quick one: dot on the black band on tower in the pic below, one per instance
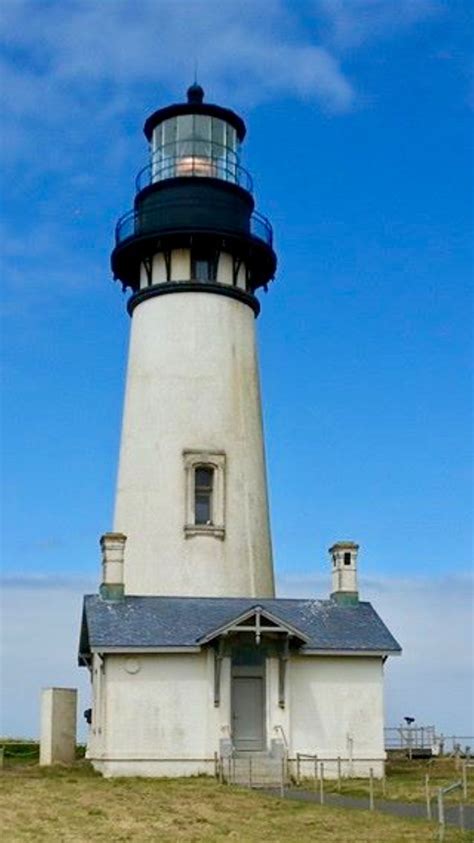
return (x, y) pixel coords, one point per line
(192, 287)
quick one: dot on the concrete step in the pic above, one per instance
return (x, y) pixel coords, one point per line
(254, 770)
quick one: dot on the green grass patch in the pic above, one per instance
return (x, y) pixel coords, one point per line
(74, 804)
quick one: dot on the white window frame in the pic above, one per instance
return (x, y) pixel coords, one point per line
(194, 458)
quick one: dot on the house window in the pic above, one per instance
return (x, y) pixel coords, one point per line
(204, 493)
(203, 486)
(347, 559)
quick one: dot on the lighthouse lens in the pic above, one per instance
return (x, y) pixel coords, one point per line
(195, 145)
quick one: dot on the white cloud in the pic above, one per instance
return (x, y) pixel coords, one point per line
(69, 71)
(431, 619)
(80, 66)
(351, 23)
(246, 50)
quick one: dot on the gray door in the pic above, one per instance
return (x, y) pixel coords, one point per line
(247, 712)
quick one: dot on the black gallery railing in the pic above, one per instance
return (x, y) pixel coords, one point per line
(136, 223)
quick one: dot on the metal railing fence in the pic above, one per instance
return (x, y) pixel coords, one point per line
(411, 738)
(136, 223)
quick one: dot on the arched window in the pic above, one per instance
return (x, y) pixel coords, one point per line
(203, 492)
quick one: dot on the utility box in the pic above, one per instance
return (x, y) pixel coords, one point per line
(58, 725)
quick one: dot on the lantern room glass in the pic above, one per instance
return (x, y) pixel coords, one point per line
(194, 145)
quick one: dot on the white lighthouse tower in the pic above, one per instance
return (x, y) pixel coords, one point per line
(192, 492)
(193, 660)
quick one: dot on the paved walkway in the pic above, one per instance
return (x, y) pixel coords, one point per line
(401, 809)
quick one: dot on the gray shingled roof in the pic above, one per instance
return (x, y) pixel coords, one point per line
(144, 622)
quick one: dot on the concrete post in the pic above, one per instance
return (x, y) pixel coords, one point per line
(58, 726)
(428, 797)
(441, 813)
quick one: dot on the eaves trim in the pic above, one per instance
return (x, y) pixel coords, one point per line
(141, 649)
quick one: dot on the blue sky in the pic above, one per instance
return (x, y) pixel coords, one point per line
(358, 115)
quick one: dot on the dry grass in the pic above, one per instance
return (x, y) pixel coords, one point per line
(405, 781)
(73, 804)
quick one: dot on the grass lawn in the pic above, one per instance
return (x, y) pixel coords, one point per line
(74, 804)
(405, 781)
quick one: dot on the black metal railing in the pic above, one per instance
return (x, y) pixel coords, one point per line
(260, 227)
(200, 159)
(136, 223)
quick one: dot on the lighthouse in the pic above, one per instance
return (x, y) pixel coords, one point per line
(192, 491)
(196, 666)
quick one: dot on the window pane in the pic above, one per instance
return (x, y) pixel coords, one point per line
(169, 131)
(185, 127)
(347, 559)
(203, 267)
(203, 478)
(231, 137)
(202, 508)
(201, 270)
(218, 135)
(202, 127)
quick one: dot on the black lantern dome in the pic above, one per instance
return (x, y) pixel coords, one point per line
(195, 93)
(194, 194)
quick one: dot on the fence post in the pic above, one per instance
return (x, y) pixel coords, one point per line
(250, 772)
(229, 770)
(371, 789)
(339, 773)
(2, 755)
(350, 746)
(457, 756)
(427, 794)
(384, 782)
(315, 771)
(441, 813)
(233, 769)
(464, 778)
(282, 778)
(321, 784)
(461, 816)
(298, 778)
